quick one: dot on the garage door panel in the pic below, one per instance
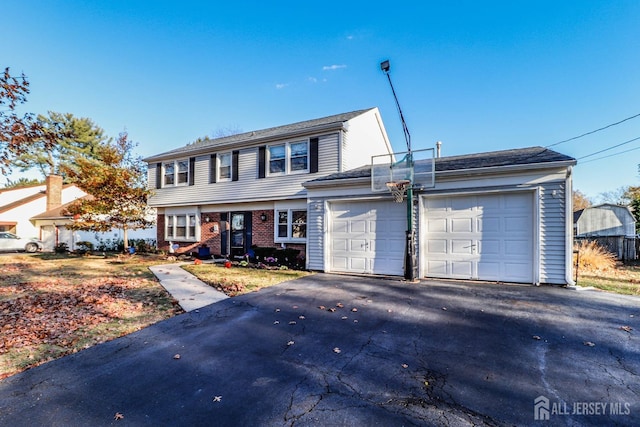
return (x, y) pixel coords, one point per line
(461, 247)
(482, 236)
(374, 238)
(461, 225)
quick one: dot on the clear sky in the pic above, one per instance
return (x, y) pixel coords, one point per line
(477, 75)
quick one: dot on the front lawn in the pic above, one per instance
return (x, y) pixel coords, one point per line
(622, 279)
(241, 280)
(52, 305)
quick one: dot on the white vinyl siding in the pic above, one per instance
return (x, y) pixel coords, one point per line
(553, 233)
(248, 187)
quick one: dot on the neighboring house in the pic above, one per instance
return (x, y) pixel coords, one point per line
(501, 216)
(608, 224)
(242, 190)
(38, 211)
(18, 205)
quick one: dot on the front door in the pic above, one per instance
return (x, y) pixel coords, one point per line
(238, 239)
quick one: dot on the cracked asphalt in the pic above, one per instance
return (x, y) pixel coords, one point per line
(355, 351)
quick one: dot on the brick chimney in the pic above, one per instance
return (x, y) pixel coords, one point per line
(54, 191)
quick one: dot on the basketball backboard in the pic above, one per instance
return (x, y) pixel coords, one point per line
(418, 166)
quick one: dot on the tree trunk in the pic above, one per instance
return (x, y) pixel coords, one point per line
(125, 237)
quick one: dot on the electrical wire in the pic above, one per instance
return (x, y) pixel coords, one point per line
(610, 155)
(593, 131)
(609, 148)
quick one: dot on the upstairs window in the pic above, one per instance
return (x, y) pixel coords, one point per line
(292, 157)
(224, 167)
(176, 173)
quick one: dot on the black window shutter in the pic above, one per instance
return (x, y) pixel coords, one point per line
(234, 165)
(262, 158)
(158, 175)
(192, 170)
(224, 234)
(248, 230)
(313, 155)
(213, 169)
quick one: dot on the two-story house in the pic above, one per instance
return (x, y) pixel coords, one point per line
(241, 190)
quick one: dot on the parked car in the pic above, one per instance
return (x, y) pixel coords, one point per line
(11, 242)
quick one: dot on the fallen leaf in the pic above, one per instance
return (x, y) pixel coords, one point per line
(626, 328)
(176, 356)
(118, 416)
(536, 337)
(293, 322)
(444, 308)
(301, 317)
(294, 307)
(336, 350)
(354, 309)
(332, 310)
(322, 307)
(426, 383)
(339, 305)
(355, 321)
(344, 317)
(217, 398)
(277, 310)
(389, 311)
(291, 343)
(404, 365)
(276, 322)
(589, 343)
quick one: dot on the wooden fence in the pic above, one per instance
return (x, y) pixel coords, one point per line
(624, 248)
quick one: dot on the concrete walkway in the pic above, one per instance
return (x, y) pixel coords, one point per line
(190, 292)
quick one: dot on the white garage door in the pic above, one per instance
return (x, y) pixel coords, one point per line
(367, 237)
(480, 237)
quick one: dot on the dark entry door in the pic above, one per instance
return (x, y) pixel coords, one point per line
(240, 233)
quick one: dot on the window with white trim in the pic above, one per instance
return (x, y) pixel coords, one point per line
(290, 157)
(180, 227)
(291, 225)
(176, 172)
(224, 167)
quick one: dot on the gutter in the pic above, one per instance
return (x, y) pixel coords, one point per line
(568, 194)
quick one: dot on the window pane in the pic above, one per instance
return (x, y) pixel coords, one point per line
(276, 152)
(181, 226)
(183, 171)
(192, 226)
(299, 156)
(224, 166)
(299, 224)
(283, 224)
(169, 229)
(169, 171)
(276, 166)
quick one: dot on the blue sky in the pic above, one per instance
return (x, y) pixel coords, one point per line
(479, 76)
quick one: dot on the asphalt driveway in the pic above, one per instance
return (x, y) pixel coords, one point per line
(340, 350)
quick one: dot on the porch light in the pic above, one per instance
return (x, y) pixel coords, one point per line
(263, 217)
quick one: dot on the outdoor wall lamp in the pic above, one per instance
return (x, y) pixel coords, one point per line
(207, 219)
(263, 217)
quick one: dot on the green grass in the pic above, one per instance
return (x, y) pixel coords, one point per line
(621, 280)
(241, 280)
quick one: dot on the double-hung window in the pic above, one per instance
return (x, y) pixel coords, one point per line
(224, 167)
(290, 157)
(176, 172)
(292, 225)
(180, 227)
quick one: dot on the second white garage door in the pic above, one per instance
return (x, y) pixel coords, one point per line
(480, 237)
(367, 237)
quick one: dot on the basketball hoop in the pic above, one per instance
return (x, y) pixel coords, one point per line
(398, 188)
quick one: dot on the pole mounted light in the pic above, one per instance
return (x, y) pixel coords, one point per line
(410, 261)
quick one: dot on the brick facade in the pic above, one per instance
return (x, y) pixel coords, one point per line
(211, 229)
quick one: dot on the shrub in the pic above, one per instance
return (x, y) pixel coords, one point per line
(593, 257)
(61, 248)
(84, 247)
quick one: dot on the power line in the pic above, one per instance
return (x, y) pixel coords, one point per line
(611, 155)
(609, 148)
(593, 131)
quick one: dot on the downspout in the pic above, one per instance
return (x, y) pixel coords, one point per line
(568, 194)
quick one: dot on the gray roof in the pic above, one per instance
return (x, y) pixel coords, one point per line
(518, 156)
(257, 136)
